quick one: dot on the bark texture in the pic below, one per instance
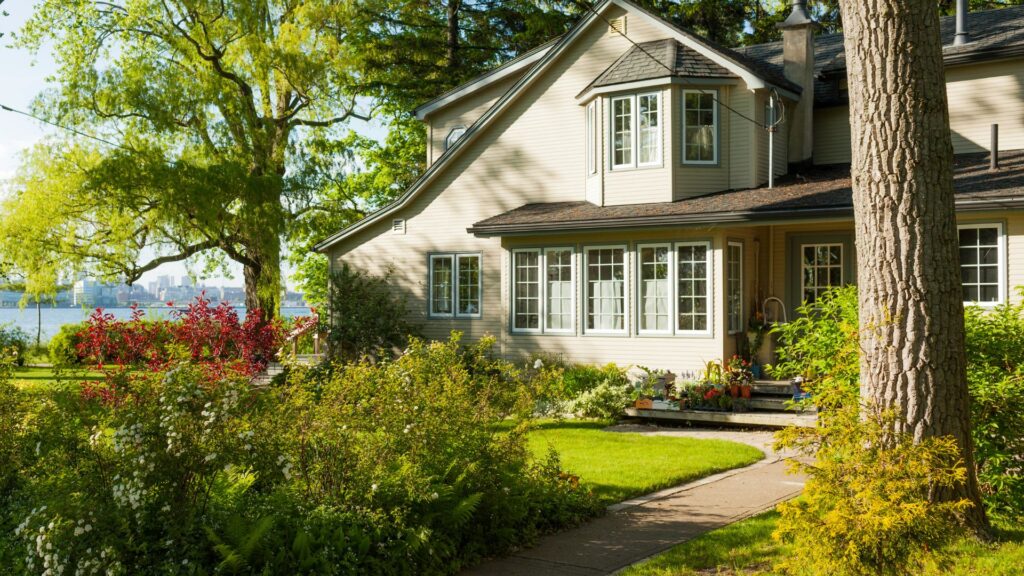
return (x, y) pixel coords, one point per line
(911, 300)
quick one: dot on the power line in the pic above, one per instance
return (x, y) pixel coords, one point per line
(618, 30)
(62, 127)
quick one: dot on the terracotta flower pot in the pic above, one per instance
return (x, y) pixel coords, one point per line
(745, 392)
(734, 390)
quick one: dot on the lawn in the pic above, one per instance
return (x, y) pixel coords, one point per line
(37, 379)
(621, 465)
(747, 548)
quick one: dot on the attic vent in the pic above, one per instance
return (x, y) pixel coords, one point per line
(617, 25)
(398, 226)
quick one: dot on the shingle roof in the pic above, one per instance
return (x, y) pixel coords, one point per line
(819, 192)
(658, 59)
(991, 32)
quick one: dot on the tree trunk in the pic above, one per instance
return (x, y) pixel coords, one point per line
(911, 300)
(452, 36)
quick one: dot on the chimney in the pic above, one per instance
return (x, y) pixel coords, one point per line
(961, 36)
(798, 67)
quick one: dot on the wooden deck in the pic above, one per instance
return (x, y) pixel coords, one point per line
(760, 419)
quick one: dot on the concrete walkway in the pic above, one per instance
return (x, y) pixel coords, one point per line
(638, 529)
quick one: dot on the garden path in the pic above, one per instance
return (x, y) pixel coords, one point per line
(643, 527)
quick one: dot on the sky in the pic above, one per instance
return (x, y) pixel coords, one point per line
(25, 76)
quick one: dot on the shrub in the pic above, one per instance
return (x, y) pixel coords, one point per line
(822, 345)
(395, 467)
(15, 341)
(869, 505)
(63, 346)
(607, 400)
(366, 318)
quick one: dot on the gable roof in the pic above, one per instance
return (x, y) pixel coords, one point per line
(993, 34)
(821, 191)
(736, 63)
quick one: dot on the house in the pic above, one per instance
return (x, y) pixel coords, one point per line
(607, 196)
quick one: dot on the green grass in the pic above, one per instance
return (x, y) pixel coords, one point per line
(747, 548)
(620, 465)
(35, 379)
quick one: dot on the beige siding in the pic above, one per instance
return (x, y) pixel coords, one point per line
(742, 141)
(464, 113)
(761, 140)
(979, 95)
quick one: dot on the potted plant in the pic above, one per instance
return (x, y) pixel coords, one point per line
(757, 327)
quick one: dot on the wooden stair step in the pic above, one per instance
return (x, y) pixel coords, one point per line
(761, 419)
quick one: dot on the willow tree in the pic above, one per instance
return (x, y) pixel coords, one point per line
(202, 105)
(908, 277)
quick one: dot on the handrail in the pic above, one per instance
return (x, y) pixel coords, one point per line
(299, 331)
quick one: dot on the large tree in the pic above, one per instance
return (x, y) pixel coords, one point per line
(203, 104)
(911, 300)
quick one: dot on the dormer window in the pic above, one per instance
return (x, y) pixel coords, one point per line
(700, 127)
(454, 136)
(635, 131)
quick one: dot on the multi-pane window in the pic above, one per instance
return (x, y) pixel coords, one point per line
(456, 285)
(559, 300)
(606, 289)
(543, 288)
(649, 141)
(700, 127)
(636, 130)
(655, 289)
(981, 262)
(821, 269)
(693, 294)
(526, 290)
(622, 132)
(592, 138)
(734, 286)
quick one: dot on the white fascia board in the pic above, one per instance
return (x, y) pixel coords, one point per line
(481, 82)
(471, 136)
(589, 95)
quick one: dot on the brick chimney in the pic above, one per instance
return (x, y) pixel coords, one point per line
(798, 67)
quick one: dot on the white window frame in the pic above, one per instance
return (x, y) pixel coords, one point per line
(479, 285)
(542, 264)
(708, 286)
(634, 136)
(730, 313)
(815, 266)
(454, 258)
(714, 110)
(592, 138)
(671, 280)
(1001, 253)
(453, 136)
(585, 286)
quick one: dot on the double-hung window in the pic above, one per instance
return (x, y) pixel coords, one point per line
(982, 262)
(674, 288)
(456, 285)
(605, 268)
(821, 269)
(700, 126)
(636, 130)
(543, 290)
(734, 286)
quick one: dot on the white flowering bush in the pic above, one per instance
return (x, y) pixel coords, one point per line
(396, 467)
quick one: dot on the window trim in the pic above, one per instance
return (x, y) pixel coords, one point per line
(708, 292)
(634, 137)
(672, 280)
(449, 142)
(717, 125)
(728, 279)
(592, 154)
(1002, 254)
(540, 291)
(453, 297)
(585, 286)
(841, 266)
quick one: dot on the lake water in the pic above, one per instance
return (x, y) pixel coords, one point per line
(54, 318)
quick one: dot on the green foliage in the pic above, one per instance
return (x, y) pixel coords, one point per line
(607, 400)
(387, 468)
(63, 346)
(995, 375)
(821, 344)
(366, 318)
(871, 504)
(14, 340)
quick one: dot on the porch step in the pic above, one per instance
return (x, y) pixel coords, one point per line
(775, 404)
(762, 419)
(773, 387)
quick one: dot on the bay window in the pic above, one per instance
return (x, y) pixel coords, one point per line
(982, 262)
(456, 286)
(636, 130)
(700, 127)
